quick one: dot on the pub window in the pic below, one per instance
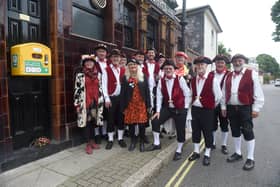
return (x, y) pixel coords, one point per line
(14, 31)
(129, 24)
(152, 34)
(33, 34)
(14, 5)
(212, 39)
(33, 8)
(87, 21)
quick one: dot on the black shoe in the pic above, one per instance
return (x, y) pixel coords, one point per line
(146, 140)
(163, 131)
(224, 150)
(98, 139)
(142, 146)
(126, 133)
(234, 157)
(109, 145)
(122, 143)
(132, 146)
(249, 165)
(105, 137)
(153, 147)
(194, 156)
(177, 156)
(206, 160)
(213, 146)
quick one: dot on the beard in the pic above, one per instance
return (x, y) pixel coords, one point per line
(238, 68)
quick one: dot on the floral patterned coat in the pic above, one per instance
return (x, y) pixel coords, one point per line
(93, 113)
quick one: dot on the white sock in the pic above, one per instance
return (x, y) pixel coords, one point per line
(250, 149)
(156, 138)
(207, 152)
(111, 136)
(104, 128)
(237, 144)
(214, 137)
(196, 147)
(136, 130)
(120, 134)
(179, 147)
(224, 137)
(96, 130)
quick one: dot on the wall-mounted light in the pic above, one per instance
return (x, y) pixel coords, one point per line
(99, 3)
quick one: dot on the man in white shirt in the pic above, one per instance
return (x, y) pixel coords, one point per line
(101, 52)
(242, 100)
(219, 120)
(173, 99)
(206, 94)
(111, 90)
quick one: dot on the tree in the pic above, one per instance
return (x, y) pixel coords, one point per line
(223, 50)
(275, 16)
(268, 64)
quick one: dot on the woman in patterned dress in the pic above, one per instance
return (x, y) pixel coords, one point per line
(88, 100)
(135, 102)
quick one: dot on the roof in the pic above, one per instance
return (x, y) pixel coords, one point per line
(205, 9)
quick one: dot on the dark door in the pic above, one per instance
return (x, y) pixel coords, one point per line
(28, 96)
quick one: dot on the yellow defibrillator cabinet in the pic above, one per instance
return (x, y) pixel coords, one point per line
(31, 59)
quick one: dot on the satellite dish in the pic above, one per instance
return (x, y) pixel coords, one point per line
(99, 3)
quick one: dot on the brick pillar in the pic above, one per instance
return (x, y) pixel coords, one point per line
(172, 38)
(162, 45)
(5, 130)
(143, 12)
(58, 78)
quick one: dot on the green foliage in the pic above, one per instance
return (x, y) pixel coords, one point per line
(268, 64)
(266, 79)
(275, 16)
(222, 50)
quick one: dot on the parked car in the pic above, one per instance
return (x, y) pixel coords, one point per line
(277, 82)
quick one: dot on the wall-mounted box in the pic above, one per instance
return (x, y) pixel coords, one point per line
(31, 59)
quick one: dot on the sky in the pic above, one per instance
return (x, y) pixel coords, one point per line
(246, 24)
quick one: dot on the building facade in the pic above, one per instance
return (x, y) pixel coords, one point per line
(30, 106)
(202, 30)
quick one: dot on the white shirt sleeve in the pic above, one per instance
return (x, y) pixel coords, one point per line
(105, 87)
(186, 91)
(217, 91)
(223, 99)
(258, 93)
(159, 97)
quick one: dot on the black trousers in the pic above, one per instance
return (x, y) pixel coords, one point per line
(142, 130)
(218, 118)
(202, 121)
(240, 117)
(179, 116)
(88, 131)
(114, 115)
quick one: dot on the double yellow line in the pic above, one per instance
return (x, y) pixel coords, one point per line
(180, 174)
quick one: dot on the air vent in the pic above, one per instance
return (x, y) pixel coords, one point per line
(99, 3)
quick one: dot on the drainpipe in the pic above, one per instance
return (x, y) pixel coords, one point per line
(183, 24)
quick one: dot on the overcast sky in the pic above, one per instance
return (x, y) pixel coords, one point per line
(246, 24)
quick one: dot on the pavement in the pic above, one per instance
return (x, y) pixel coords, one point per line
(74, 168)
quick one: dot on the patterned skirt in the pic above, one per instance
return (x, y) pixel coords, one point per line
(136, 111)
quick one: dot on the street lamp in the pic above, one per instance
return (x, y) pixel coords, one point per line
(183, 24)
